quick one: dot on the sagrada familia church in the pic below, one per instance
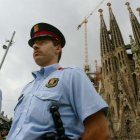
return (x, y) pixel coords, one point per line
(121, 76)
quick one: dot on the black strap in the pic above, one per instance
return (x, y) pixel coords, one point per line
(58, 122)
(49, 136)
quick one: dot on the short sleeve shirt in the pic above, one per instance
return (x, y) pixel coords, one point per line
(70, 89)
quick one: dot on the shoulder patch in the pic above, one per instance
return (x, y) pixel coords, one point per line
(52, 82)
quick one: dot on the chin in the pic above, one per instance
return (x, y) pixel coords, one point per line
(40, 64)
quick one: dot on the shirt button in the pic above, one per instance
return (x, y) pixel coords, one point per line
(18, 129)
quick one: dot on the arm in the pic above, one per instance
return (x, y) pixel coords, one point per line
(96, 127)
(87, 105)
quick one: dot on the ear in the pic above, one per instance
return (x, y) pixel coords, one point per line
(58, 49)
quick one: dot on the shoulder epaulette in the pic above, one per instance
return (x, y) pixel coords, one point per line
(60, 68)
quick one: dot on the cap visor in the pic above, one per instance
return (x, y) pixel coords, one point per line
(31, 41)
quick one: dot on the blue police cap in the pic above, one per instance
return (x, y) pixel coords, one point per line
(46, 30)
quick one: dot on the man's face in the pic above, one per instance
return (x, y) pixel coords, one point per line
(45, 53)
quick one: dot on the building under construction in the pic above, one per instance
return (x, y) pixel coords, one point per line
(121, 76)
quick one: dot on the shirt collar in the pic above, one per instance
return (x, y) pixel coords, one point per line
(45, 71)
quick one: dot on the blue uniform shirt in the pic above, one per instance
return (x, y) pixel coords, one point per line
(73, 92)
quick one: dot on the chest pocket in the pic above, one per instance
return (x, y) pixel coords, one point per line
(48, 95)
(51, 89)
(40, 105)
(21, 97)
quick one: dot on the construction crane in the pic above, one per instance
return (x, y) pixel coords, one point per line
(85, 21)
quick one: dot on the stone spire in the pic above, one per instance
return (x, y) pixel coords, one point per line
(104, 36)
(108, 69)
(135, 24)
(116, 35)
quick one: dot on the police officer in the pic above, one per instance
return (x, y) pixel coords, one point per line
(79, 109)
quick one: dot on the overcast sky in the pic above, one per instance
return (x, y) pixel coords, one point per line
(21, 15)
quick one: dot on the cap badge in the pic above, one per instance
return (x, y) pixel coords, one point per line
(52, 82)
(36, 28)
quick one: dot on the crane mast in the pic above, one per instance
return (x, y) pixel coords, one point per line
(85, 21)
(95, 77)
(86, 67)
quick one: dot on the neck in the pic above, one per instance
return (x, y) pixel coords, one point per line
(49, 64)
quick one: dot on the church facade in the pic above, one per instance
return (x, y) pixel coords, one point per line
(121, 76)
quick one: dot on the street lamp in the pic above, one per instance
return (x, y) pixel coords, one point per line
(7, 48)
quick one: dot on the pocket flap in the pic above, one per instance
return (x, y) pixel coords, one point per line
(47, 95)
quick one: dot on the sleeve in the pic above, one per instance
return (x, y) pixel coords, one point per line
(84, 98)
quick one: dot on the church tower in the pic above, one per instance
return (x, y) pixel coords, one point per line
(135, 24)
(118, 84)
(135, 48)
(108, 71)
